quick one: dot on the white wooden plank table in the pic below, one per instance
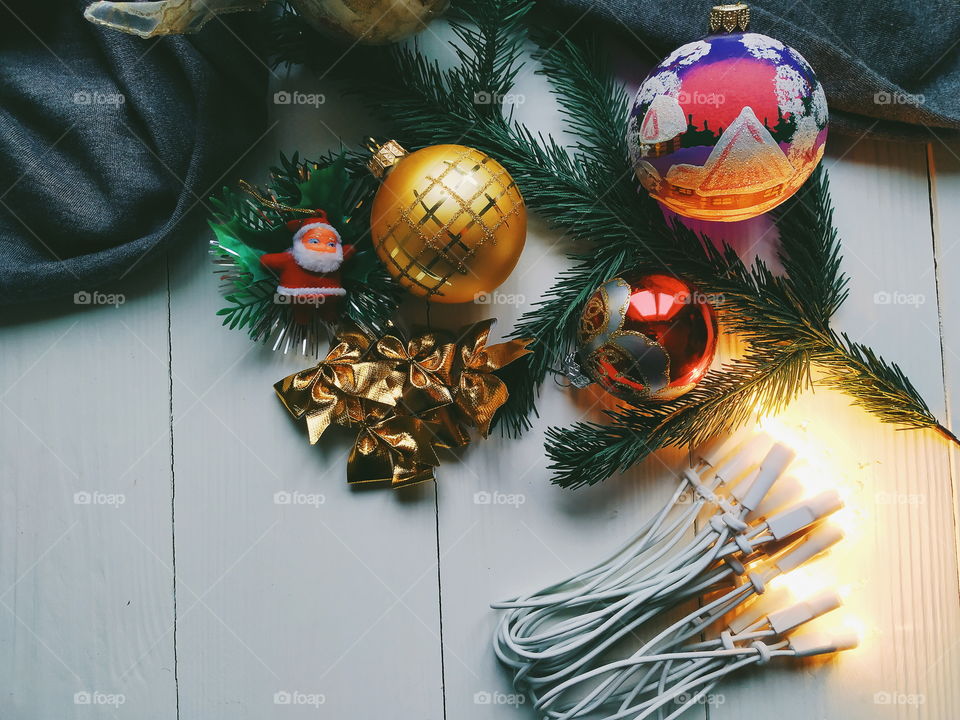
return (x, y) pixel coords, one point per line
(171, 547)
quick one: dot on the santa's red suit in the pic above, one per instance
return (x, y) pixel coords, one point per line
(309, 272)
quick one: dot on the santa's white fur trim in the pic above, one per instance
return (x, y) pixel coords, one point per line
(315, 260)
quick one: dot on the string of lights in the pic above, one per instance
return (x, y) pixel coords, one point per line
(731, 527)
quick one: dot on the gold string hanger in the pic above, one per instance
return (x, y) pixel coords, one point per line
(273, 204)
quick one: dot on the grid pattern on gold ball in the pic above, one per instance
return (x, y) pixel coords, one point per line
(450, 219)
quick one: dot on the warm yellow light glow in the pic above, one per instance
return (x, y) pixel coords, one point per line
(845, 621)
(823, 465)
(806, 580)
(854, 624)
(816, 473)
(814, 479)
(812, 466)
(847, 519)
(795, 437)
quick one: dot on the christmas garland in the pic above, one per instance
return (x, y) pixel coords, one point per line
(589, 191)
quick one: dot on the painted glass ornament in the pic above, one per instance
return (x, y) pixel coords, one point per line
(648, 337)
(727, 127)
(448, 221)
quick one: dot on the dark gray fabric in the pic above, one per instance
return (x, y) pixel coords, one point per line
(91, 188)
(889, 68)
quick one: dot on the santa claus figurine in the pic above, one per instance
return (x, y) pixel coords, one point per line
(309, 272)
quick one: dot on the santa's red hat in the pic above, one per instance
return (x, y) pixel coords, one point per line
(318, 217)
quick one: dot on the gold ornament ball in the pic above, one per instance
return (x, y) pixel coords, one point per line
(371, 22)
(448, 221)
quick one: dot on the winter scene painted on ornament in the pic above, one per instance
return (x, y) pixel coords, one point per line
(728, 127)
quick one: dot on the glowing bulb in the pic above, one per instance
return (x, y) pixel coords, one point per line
(820, 466)
(813, 478)
(855, 624)
(816, 474)
(807, 580)
(848, 520)
(812, 466)
(848, 623)
(794, 437)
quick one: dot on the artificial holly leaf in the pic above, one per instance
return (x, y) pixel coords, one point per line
(246, 258)
(325, 189)
(248, 223)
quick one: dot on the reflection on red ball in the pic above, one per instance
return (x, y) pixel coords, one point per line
(648, 337)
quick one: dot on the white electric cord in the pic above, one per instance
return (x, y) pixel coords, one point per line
(715, 536)
(695, 623)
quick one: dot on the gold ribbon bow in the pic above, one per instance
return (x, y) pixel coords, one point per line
(479, 393)
(406, 398)
(392, 448)
(428, 365)
(331, 392)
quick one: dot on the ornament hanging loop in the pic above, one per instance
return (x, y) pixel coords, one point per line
(727, 18)
(270, 203)
(384, 156)
(571, 373)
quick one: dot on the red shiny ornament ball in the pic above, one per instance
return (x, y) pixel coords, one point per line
(646, 337)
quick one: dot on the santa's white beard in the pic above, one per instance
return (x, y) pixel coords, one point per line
(315, 260)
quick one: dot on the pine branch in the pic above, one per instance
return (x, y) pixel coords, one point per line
(490, 35)
(372, 299)
(879, 387)
(810, 250)
(588, 453)
(247, 305)
(595, 106)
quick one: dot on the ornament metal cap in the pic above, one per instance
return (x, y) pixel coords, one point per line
(728, 18)
(384, 156)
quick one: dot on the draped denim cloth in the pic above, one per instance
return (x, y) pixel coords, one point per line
(107, 142)
(890, 70)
